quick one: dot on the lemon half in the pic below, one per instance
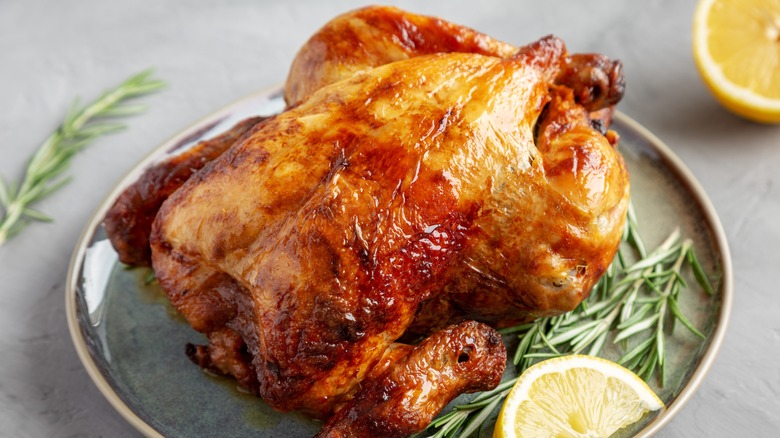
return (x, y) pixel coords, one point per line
(575, 396)
(736, 45)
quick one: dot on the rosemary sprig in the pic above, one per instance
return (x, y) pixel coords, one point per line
(638, 301)
(82, 125)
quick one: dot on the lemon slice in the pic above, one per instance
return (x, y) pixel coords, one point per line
(736, 45)
(574, 396)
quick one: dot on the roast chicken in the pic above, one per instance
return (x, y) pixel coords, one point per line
(426, 182)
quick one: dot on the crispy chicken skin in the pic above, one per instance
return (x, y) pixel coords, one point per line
(129, 221)
(377, 35)
(349, 216)
(377, 194)
(467, 357)
(356, 41)
(424, 177)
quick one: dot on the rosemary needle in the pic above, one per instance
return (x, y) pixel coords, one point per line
(82, 125)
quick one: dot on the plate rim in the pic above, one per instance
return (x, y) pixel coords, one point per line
(675, 164)
(670, 159)
(79, 253)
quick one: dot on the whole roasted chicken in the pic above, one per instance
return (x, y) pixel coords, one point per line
(425, 181)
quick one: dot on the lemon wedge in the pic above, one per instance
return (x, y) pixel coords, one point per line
(736, 45)
(574, 396)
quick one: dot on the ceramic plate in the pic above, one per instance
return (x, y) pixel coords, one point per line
(131, 341)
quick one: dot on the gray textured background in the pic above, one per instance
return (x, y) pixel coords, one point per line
(213, 53)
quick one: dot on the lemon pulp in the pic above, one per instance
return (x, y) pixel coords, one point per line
(575, 396)
(737, 50)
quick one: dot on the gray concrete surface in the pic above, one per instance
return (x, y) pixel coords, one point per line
(213, 53)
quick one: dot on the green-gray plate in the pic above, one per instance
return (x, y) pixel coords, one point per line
(132, 342)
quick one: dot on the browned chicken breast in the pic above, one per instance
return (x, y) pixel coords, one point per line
(433, 178)
(374, 36)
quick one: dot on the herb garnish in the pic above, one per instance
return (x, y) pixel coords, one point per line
(638, 300)
(81, 127)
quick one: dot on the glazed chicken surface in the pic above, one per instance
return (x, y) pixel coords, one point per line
(426, 180)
